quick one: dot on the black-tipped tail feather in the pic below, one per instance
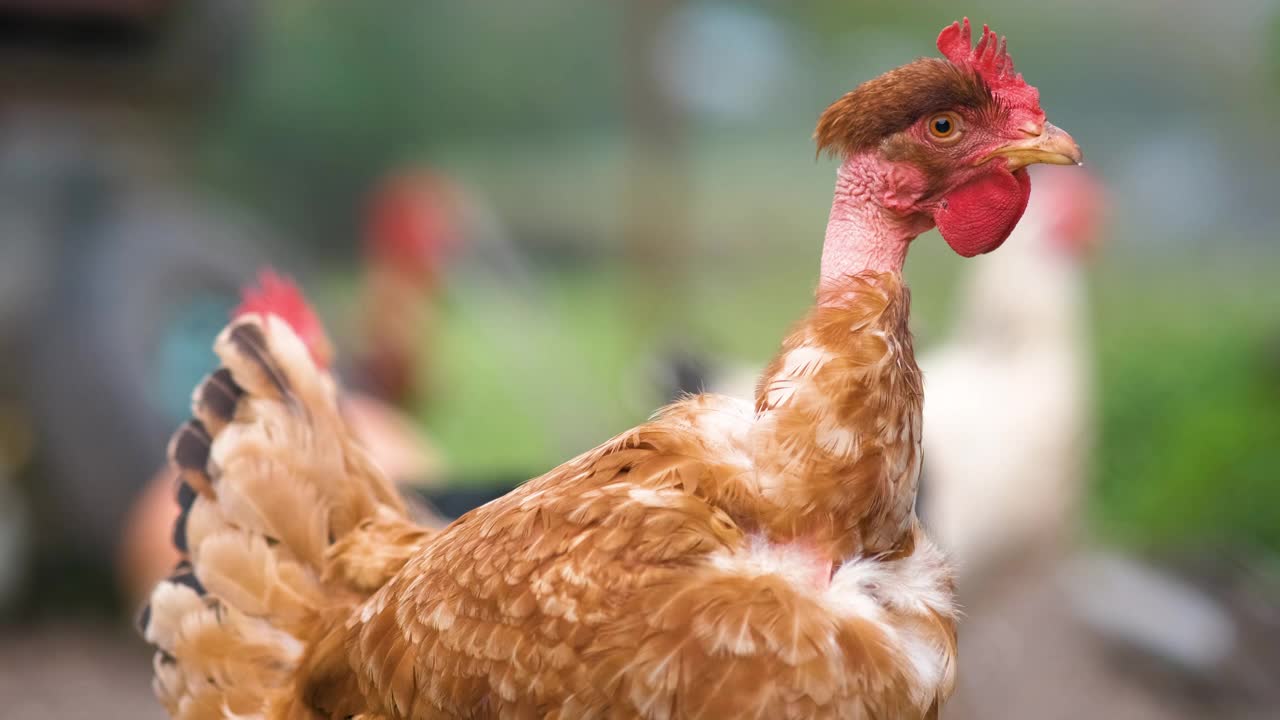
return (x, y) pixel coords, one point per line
(182, 574)
(186, 498)
(189, 452)
(261, 523)
(215, 399)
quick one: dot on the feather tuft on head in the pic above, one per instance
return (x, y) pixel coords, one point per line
(278, 295)
(991, 61)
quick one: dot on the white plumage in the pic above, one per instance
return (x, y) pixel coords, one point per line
(1007, 413)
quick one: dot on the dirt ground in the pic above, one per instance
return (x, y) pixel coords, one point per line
(1026, 652)
(71, 671)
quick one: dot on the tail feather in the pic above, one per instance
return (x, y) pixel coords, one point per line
(169, 682)
(243, 570)
(189, 452)
(291, 405)
(170, 602)
(254, 488)
(285, 520)
(183, 698)
(254, 366)
(214, 662)
(214, 400)
(186, 500)
(203, 519)
(216, 642)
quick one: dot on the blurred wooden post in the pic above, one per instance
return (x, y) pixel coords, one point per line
(655, 212)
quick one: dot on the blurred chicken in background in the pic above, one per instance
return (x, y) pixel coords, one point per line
(413, 228)
(1008, 413)
(1008, 438)
(414, 223)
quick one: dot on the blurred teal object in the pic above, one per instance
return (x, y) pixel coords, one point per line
(183, 353)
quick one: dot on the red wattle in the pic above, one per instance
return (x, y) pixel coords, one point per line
(978, 216)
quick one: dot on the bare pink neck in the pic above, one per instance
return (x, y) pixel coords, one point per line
(871, 224)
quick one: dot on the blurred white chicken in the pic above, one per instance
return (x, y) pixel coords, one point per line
(1007, 415)
(1008, 430)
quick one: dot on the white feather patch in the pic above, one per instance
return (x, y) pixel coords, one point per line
(866, 588)
(805, 360)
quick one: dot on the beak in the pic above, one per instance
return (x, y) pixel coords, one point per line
(1052, 145)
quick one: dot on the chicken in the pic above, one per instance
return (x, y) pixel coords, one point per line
(415, 225)
(1006, 415)
(728, 558)
(1056, 622)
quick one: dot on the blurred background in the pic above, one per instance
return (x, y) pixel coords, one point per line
(530, 224)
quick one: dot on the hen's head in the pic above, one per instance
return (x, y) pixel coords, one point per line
(278, 295)
(953, 137)
(414, 225)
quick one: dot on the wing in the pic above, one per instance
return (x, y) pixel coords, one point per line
(499, 611)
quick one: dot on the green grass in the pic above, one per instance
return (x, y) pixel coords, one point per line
(1189, 449)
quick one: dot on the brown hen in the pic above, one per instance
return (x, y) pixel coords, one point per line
(730, 558)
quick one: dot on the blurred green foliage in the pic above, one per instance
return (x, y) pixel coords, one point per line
(339, 93)
(1274, 48)
(1189, 380)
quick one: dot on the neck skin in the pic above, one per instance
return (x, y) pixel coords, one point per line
(873, 220)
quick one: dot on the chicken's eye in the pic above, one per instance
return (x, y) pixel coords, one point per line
(944, 126)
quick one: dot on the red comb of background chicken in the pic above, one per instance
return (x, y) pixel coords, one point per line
(413, 224)
(278, 295)
(1077, 206)
(990, 59)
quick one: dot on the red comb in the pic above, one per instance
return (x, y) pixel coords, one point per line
(278, 295)
(990, 59)
(413, 223)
